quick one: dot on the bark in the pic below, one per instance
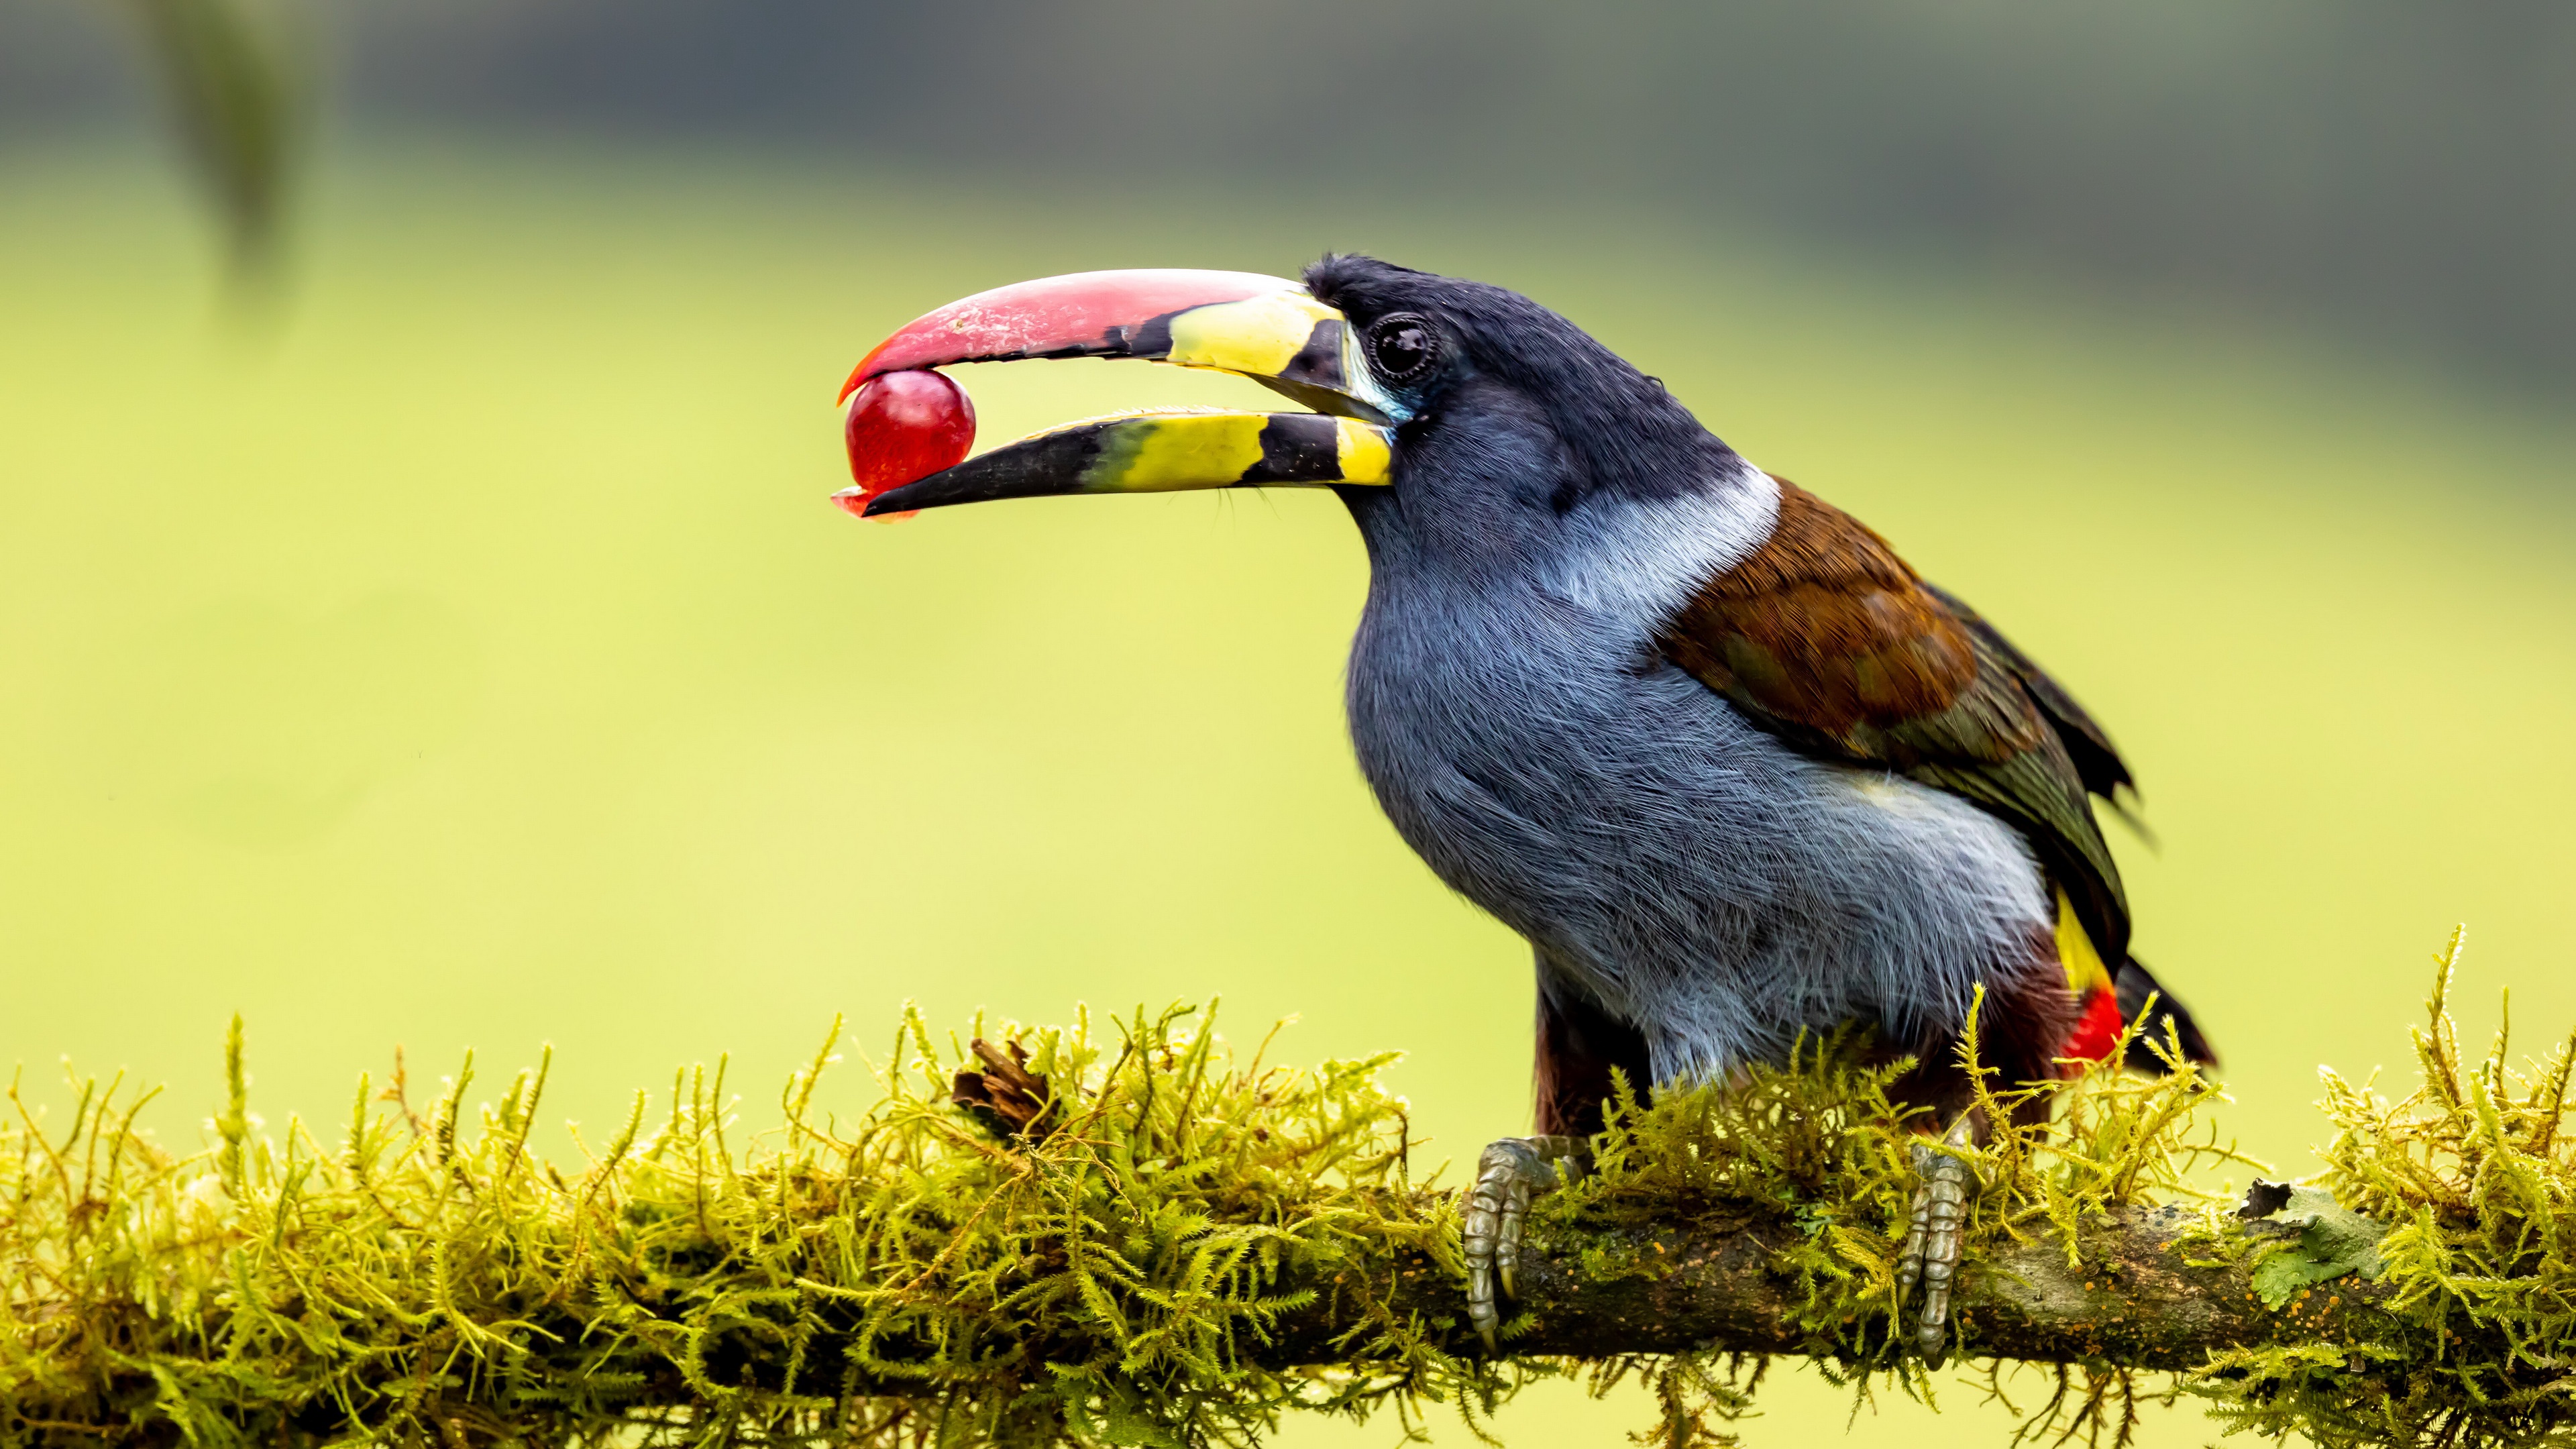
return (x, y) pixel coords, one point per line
(2142, 1299)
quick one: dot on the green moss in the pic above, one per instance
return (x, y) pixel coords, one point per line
(908, 1278)
(2473, 1315)
(1138, 1271)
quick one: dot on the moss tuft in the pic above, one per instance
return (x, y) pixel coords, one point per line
(2469, 1336)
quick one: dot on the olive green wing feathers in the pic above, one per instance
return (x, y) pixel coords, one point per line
(2087, 743)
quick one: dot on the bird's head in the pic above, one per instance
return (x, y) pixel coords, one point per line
(1479, 413)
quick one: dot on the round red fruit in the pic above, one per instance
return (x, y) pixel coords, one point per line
(905, 426)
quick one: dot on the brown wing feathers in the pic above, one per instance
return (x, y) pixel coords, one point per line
(1827, 638)
(1828, 632)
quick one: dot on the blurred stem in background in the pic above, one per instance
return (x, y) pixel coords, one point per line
(234, 77)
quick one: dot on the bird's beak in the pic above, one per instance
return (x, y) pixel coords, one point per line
(908, 433)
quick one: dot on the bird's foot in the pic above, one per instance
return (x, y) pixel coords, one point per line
(1508, 1175)
(1933, 1236)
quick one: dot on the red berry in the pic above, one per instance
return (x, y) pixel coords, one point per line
(901, 428)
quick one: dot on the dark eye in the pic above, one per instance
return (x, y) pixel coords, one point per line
(1402, 348)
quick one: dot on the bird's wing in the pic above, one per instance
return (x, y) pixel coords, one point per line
(2087, 743)
(1826, 638)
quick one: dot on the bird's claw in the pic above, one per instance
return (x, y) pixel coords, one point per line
(1933, 1236)
(1508, 1175)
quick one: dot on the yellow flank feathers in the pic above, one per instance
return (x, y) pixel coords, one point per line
(1256, 335)
(1363, 451)
(2075, 950)
(1199, 450)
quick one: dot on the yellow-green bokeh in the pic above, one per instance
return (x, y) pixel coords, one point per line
(465, 654)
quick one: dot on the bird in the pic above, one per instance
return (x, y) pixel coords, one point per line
(1736, 772)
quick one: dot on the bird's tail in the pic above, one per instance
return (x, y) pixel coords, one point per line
(2135, 986)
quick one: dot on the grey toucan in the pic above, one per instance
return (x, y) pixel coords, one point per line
(1733, 769)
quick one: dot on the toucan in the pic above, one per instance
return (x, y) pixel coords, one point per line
(1738, 774)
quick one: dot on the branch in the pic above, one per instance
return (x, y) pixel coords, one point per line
(2152, 1297)
(1132, 1239)
(2154, 1294)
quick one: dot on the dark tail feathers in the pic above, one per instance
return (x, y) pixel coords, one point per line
(2135, 985)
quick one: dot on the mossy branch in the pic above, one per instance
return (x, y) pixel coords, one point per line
(1129, 1238)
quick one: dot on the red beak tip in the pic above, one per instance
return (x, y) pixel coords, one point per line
(855, 501)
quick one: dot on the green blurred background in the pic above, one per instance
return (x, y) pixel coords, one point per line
(451, 646)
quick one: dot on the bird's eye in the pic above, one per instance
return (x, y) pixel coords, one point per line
(1402, 348)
